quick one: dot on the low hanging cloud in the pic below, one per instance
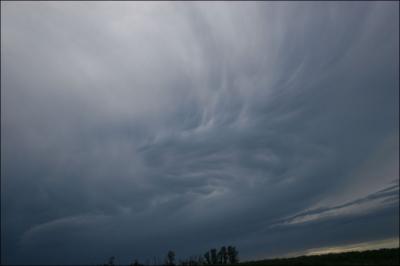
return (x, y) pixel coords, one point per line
(129, 129)
(375, 200)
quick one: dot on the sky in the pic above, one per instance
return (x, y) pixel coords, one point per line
(131, 128)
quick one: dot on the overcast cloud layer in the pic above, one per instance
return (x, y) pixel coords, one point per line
(132, 128)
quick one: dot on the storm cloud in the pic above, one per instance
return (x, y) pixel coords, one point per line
(132, 128)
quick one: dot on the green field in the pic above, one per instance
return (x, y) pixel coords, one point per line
(371, 257)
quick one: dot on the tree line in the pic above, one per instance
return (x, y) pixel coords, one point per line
(225, 255)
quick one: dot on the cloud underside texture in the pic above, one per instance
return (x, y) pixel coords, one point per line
(132, 128)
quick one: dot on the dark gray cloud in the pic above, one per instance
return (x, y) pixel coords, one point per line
(132, 128)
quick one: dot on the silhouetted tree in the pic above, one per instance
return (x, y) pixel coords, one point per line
(200, 260)
(136, 263)
(170, 259)
(211, 257)
(111, 261)
(233, 255)
(193, 261)
(223, 255)
(207, 257)
(214, 259)
(219, 257)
